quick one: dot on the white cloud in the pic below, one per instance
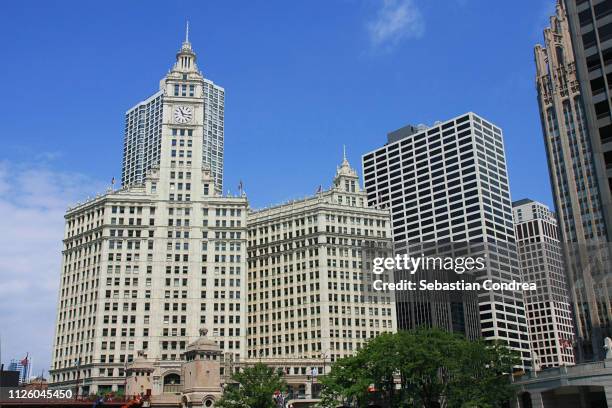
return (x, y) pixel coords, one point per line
(33, 200)
(396, 20)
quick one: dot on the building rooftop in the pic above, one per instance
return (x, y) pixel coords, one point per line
(522, 201)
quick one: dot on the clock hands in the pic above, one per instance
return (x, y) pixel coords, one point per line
(183, 114)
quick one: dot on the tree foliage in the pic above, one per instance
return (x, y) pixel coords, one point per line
(422, 368)
(256, 387)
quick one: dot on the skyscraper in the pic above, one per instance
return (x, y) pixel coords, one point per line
(147, 266)
(591, 29)
(23, 367)
(307, 274)
(573, 97)
(447, 189)
(549, 314)
(144, 121)
(567, 136)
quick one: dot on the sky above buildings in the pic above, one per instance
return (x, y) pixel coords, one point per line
(302, 79)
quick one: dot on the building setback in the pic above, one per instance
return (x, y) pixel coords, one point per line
(143, 122)
(573, 97)
(447, 190)
(147, 266)
(549, 314)
(308, 275)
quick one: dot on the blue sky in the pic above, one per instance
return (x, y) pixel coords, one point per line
(301, 80)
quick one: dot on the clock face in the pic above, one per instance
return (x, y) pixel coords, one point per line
(183, 114)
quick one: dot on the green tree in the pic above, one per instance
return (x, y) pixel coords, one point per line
(421, 368)
(256, 387)
(482, 375)
(347, 382)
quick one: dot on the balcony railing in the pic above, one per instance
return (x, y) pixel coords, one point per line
(172, 388)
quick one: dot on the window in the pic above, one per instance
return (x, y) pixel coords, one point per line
(602, 109)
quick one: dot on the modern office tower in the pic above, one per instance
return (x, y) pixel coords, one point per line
(577, 128)
(143, 122)
(307, 275)
(454, 311)
(549, 315)
(147, 266)
(447, 189)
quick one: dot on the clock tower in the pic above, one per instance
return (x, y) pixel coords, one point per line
(182, 129)
(186, 102)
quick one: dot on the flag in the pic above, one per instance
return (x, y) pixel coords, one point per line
(24, 362)
(320, 189)
(113, 181)
(240, 186)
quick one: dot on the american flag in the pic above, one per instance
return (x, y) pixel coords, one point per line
(25, 361)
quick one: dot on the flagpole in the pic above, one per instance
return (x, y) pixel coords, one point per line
(27, 366)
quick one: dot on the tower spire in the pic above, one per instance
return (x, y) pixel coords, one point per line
(186, 58)
(344, 171)
(345, 162)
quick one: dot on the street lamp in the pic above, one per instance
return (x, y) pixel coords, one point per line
(314, 372)
(324, 358)
(261, 352)
(77, 363)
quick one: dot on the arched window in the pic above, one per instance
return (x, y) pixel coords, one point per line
(172, 379)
